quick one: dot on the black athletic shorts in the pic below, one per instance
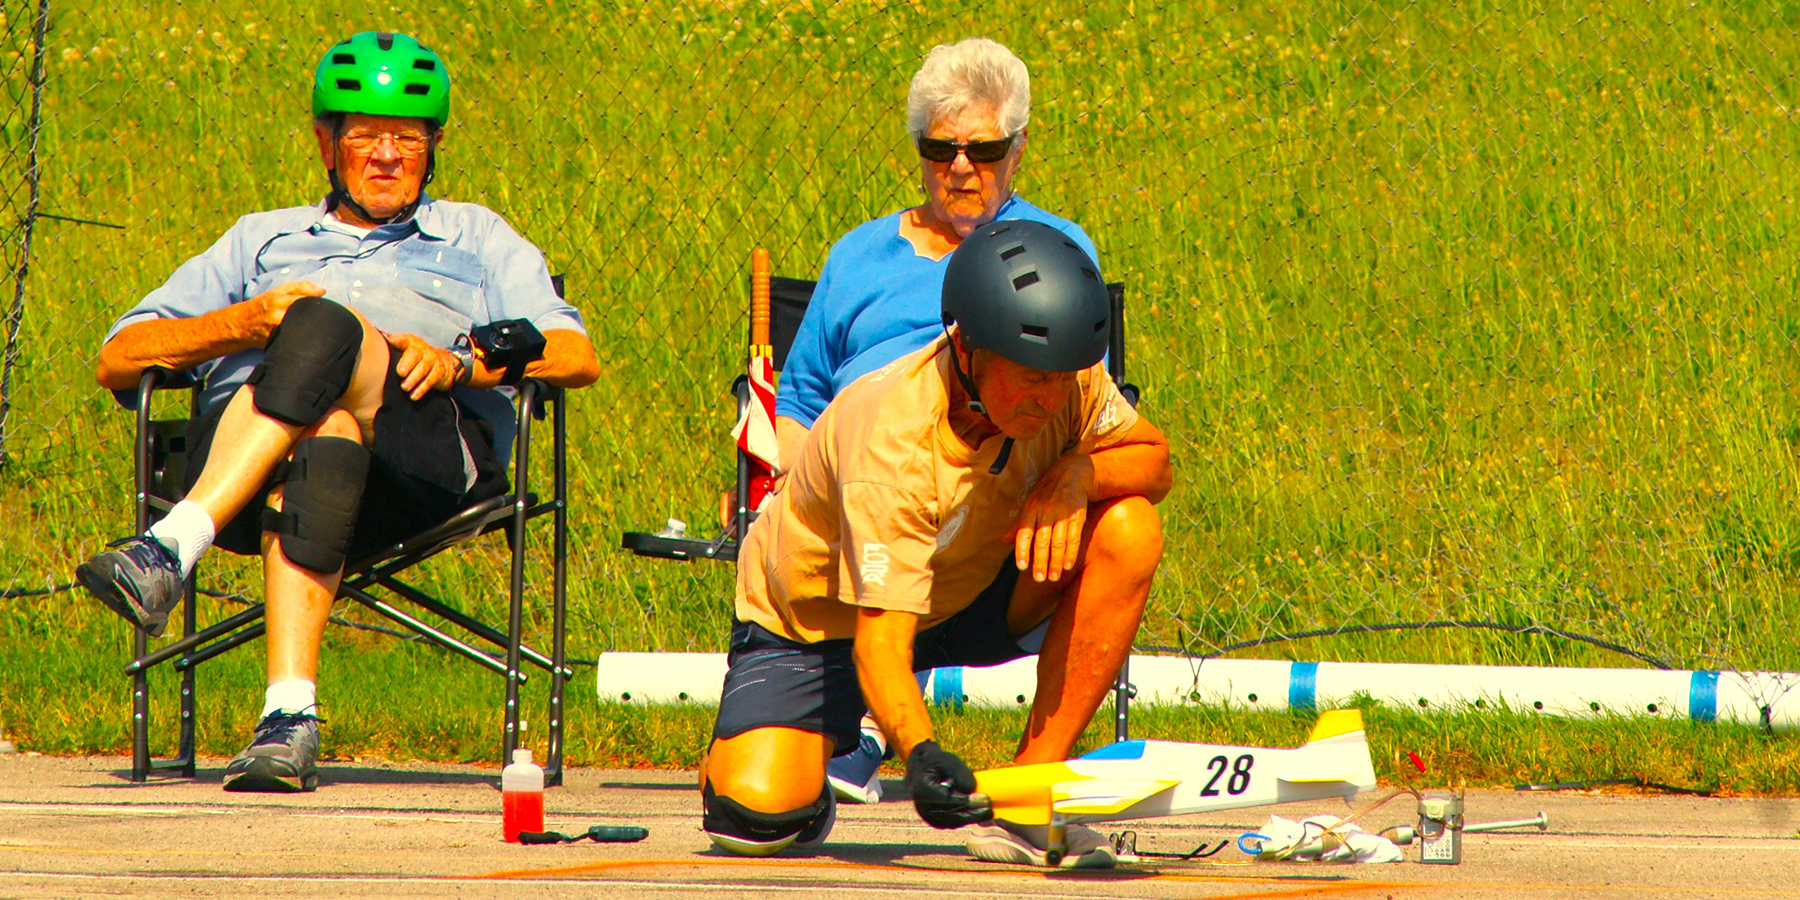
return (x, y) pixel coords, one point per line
(774, 681)
(416, 472)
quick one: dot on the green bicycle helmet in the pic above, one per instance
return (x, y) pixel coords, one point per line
(378, 73)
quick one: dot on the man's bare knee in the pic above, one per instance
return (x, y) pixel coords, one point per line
(1127, 536)
(769, 769)
(764, 787)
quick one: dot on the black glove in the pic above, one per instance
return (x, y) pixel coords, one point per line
(942, 787)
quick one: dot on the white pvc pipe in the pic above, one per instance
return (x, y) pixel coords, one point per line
(1277, 685)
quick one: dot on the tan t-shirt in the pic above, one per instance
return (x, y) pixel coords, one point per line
(888, 508)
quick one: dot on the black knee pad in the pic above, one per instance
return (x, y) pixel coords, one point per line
(322, 487)
(309, 361)
(740, 829)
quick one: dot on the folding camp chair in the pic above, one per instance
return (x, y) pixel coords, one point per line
(786, 302)
(788, 299)
(161, 461)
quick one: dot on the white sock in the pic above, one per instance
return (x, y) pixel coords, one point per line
(189, 530)
(295, 696)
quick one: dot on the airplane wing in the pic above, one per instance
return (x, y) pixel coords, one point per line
(1104, 796)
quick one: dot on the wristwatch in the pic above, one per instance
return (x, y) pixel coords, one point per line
(465, 360)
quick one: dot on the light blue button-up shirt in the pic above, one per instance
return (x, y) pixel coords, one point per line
(448, 268)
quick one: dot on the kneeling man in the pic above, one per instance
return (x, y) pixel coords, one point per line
(982, 499)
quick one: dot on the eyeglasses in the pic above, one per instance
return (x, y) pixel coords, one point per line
(944, 151)
(408, 143)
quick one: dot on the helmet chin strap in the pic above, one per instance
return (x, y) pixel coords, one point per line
(975, 404)
(341, 197)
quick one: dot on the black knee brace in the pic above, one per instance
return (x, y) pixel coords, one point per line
(322, 486)
(309, 361)
(740, 829)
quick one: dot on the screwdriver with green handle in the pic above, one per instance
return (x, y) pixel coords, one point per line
(599, 834)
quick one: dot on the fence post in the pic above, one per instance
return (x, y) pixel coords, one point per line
(15, 317)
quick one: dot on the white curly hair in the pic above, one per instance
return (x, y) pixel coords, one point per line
(969, 72)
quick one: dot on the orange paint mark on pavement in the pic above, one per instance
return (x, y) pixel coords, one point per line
(1318, 889)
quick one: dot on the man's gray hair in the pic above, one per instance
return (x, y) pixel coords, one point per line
(971, 72)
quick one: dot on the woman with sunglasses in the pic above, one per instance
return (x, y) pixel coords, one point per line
(878, 296)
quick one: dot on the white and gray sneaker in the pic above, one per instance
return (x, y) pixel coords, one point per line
(1005, 842)
(139, 578)
(282, 757)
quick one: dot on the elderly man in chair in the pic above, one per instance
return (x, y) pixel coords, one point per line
(349, 362)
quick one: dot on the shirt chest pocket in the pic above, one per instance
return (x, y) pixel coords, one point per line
(452, 277)
(302, 270)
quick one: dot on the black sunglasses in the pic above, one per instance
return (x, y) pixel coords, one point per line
(978, 151)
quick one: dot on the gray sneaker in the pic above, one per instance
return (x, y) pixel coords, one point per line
(141, 580)
(281, 757)
(998, 841)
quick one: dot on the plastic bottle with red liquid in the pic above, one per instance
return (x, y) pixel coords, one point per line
(521, 796)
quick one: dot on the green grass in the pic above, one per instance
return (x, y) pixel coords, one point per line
(1471, 312)
(384, 699)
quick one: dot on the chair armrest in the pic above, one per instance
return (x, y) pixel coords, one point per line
(1131, 393)
(155, 378)
(169, 379)
(544, 393)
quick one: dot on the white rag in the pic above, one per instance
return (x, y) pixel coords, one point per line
(1307, 840)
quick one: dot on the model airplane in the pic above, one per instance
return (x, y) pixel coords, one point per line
(1140, 779)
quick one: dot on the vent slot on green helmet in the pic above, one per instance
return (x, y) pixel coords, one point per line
(344, 59)
(424, 65)
(349, 84)
(418, 89)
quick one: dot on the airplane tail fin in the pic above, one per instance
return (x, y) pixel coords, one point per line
(1334, 722)
(1336, 751)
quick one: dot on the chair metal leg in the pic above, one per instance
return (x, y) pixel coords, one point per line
(1122, 704)
(191, 660)
(190, 624)
(193, 642)
(140, 714)
(429, 633)
(553, 773)
(473, 626)
(516, 534)
(140, 680)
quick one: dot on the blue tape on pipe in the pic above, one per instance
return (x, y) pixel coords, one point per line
(946, 686)
(1703, 696)
(1303, 685)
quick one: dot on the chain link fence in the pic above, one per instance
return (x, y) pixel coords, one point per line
(1468, 320)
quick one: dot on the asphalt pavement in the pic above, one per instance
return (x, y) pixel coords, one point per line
(78, 827)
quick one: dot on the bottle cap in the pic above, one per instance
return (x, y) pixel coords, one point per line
(522, 756)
